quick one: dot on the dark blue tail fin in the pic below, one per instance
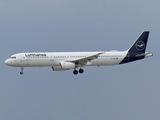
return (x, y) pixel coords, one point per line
(137, 50)
(140, 44)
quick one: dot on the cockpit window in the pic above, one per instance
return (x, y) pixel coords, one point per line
(13, 57)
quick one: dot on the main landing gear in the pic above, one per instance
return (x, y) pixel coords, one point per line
(21, 71)
(75, 72)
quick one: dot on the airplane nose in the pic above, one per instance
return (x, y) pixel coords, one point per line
(6, 62)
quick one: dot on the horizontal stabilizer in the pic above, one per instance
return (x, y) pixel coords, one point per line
(147, 54)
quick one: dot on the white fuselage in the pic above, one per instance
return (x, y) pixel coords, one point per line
(47, 59)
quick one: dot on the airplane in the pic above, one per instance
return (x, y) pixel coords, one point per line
(61, 61)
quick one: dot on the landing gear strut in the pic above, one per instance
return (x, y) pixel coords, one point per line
(21, 71)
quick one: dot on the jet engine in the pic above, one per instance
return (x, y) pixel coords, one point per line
(64, 66)
(67, 65)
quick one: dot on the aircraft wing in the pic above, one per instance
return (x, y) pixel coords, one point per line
(84, 60)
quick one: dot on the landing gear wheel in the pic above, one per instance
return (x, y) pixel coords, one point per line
(21, 73)
(81, 70)
(75, 72)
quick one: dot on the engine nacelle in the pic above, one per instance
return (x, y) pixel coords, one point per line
(57, 68)
(64, 66)
(67, 65)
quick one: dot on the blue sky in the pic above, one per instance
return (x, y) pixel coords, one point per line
(129, 91)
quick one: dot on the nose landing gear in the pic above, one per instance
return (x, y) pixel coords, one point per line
(21, 71)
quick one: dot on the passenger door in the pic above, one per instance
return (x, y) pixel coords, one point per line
(22, 57)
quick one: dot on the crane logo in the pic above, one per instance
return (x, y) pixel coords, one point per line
(140, 45)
